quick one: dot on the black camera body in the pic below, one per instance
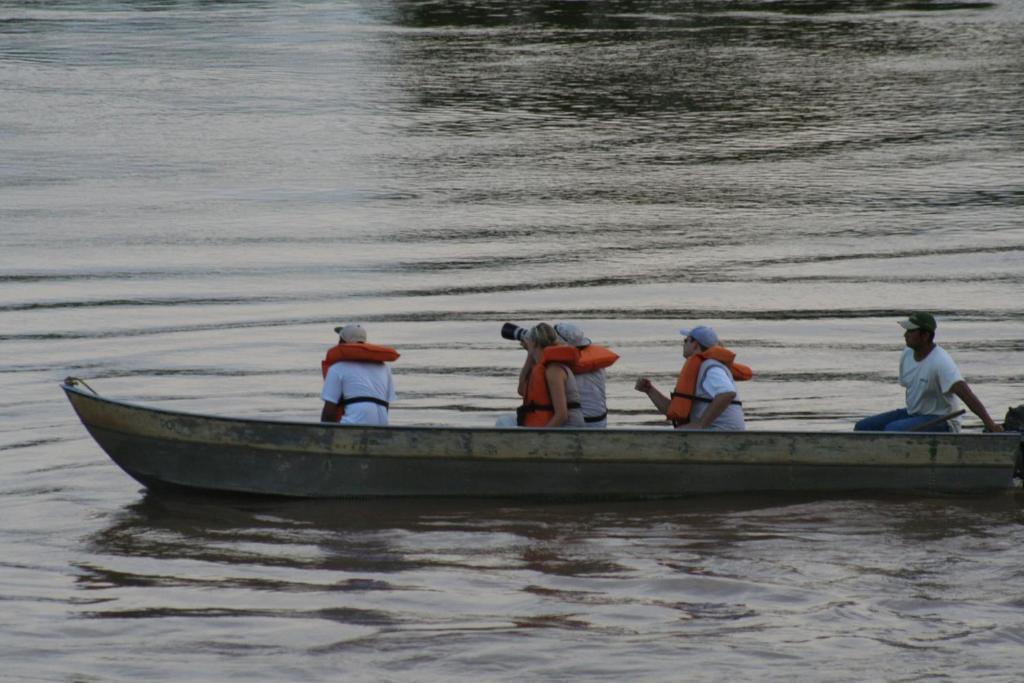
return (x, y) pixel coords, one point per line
(513, 332)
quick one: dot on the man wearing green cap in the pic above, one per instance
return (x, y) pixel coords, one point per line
(933, 383)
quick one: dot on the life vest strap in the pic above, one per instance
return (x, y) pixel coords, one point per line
(530, 407)
(596, 418)
(365, 399)
(677, 394)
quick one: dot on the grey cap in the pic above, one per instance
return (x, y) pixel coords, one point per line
(572, 334)
(351, 334)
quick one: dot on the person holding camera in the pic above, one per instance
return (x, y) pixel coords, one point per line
(589, 372)
(551, 397)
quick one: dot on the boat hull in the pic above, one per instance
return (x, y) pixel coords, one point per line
(161, 448)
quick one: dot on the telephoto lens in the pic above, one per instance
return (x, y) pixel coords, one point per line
(513, 332)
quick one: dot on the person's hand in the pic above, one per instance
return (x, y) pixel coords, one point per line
(643, 385)
(994, 428)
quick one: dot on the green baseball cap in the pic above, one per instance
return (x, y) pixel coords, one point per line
(919, 320)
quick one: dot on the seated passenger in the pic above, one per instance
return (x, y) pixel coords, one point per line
(932, 382)
(547, 385)
(358, 388)
(589, 373)
(705, 396)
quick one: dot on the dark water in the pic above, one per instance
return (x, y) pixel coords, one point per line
(192, 194)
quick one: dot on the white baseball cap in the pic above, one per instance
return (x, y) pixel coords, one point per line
(351, 333)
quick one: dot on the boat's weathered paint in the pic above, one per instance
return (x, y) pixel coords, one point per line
(309, 459)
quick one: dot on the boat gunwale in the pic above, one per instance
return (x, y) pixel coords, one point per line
(562, 430)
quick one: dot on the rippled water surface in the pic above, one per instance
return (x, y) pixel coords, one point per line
(193, 194)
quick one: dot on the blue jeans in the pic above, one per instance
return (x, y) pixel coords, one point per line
(898, 421)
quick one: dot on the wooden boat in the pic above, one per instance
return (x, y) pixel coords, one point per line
(168, 449)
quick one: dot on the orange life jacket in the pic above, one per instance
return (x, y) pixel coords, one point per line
(593, 358)
(362, 353)
(686, 386)
(537, 410)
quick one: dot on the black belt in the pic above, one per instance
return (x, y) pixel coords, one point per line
(364, 399)
(676, 394)
(596, 418)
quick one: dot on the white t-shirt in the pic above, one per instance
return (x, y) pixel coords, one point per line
(350, 379)
(929, 382)
(592, 395)
(718, 380)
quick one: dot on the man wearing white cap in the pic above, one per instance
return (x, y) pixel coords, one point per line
(358, 387)
(589, 372)
(705, 396)
(933, 383)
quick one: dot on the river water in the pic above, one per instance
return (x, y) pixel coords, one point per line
(193, 194)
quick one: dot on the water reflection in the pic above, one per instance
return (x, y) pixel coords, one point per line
(390, 536)
(356, 579)
(361, 535)
(633, 13)
(735, 64)
(689, 567)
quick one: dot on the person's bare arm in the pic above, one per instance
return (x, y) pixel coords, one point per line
(524, 375)
(556, 379)
(660, 400)
(327, 414)
(963, 390)
(715, 408)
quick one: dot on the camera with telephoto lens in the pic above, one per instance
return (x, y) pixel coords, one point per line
(513, 332)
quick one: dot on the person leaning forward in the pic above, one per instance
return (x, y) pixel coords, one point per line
(705, 396)
(358, 387)
(551, 397)
(932, 382)
(589, 371)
